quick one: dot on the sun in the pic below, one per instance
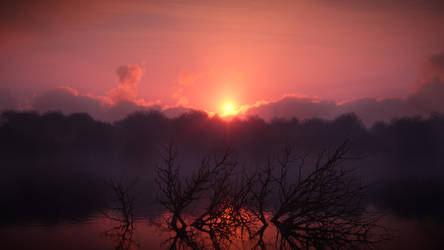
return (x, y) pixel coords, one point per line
(229, 109)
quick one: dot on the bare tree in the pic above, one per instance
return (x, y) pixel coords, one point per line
(122, 213)
(260, 191)
(319, 207)
(210, 187)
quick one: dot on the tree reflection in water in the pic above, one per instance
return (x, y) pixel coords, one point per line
(220, 206)
(122, 213)
(208, 191)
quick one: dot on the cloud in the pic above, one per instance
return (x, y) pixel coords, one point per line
(68, 101)
(118, 102)
(291, 106)
(432, 71)
(128, 80)
(429, 89)
(369, 110)
(427, 98)
(116, 105)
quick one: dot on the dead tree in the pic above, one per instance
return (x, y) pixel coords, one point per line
(318, 208)
(122, 213)
(310, 208)
(177, 196)
(209, 188)
(260, 191)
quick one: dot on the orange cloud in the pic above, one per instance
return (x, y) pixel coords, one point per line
(128, 80)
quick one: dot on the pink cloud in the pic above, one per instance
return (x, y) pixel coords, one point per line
(128, 80)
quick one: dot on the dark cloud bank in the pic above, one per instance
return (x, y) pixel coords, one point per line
(427, 98)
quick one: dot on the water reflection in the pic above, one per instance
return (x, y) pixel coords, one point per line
(219, 207)
(88, 235)
(122, 236)
(214, 207)
(122, 213)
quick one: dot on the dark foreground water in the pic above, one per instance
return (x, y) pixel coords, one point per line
(91, 234)
(98, 233)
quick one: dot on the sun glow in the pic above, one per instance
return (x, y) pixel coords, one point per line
(228, 109)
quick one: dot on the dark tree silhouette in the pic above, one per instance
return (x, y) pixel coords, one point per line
(319, 207)
(260, 192)
(123, 214)
(208, 192)
(71, 153)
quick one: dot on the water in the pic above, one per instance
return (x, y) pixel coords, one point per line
(97, 233)
(89, 234)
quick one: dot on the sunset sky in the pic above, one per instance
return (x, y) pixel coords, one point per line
(207, 55)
